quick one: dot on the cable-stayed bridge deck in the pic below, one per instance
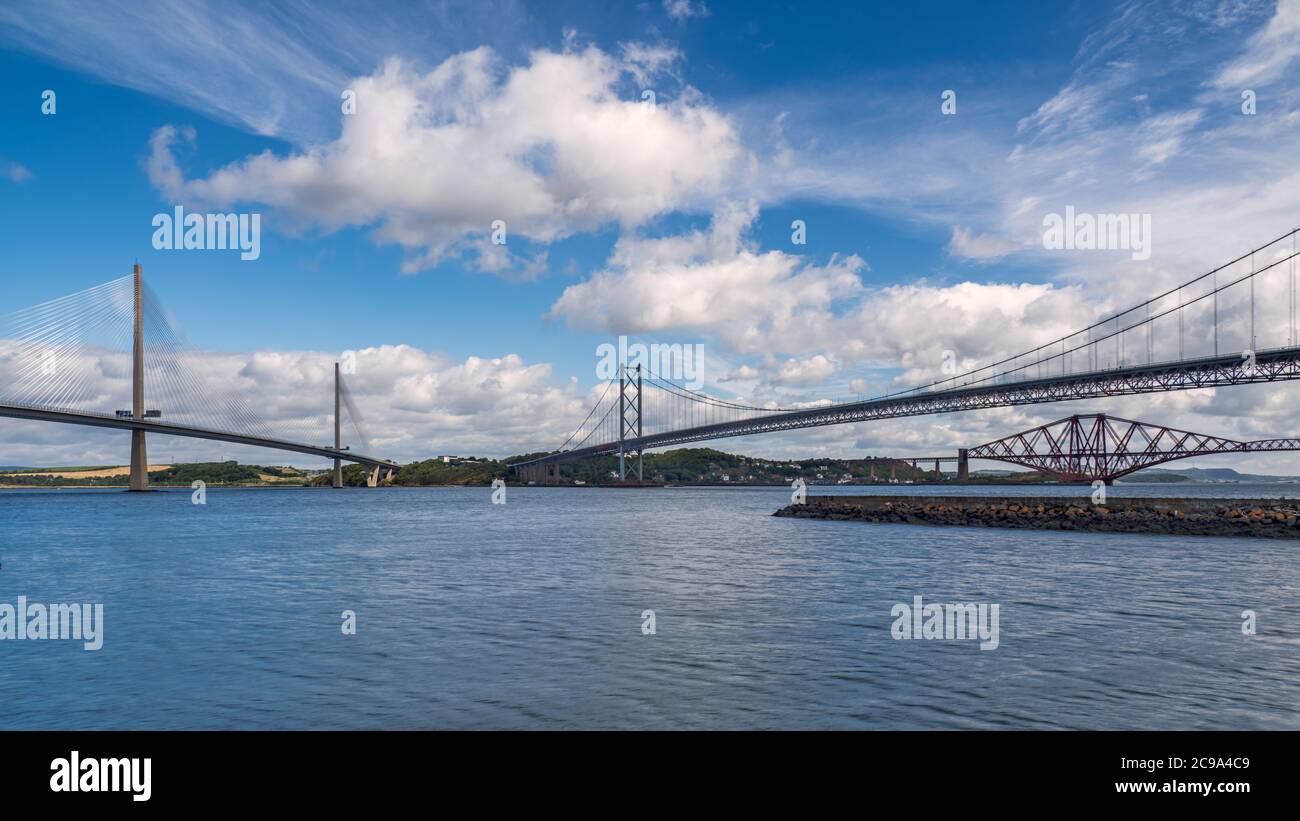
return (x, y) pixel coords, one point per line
(106, 420)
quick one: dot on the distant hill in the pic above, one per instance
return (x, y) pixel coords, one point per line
(681, 466)
(1212, 475)
(213, 473)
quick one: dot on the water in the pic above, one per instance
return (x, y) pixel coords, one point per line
(528, 614)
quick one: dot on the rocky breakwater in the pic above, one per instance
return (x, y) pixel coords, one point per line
(1269, 518)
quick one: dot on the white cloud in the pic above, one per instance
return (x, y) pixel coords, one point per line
(742, 373)
(272, 69)
(712, 282)
(965, 244)
(647, 61)
(16, 172)
(1132, 129)
(414, 404)
(431, 160)
(804, 321)
(1267, 54)
(682, 9)
(1162, 137)
(238, 63)
(809, 370)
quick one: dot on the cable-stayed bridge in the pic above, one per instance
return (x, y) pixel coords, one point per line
(1232, 325)
(58, 359)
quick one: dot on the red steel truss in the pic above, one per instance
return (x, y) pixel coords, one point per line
(1087, 447)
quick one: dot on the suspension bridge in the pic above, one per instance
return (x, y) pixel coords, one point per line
(1232, 325)
(56, 356)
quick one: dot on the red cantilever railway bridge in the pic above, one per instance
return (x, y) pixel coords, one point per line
(1087, 447)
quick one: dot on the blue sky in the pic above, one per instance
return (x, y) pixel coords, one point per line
(88, 158)
(922, 228)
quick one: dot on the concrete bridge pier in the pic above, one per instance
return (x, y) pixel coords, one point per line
(338, 433)
(963, 464)
(139, 462)
(372, 478)
(139, 453)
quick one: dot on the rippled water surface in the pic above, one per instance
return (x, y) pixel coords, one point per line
(528, 615)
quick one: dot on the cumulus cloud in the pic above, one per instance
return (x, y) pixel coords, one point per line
(742, 373)
(805, 322)
(413, 403)
(712, 281)
(431, 160)
(966, 244)
(809, 370)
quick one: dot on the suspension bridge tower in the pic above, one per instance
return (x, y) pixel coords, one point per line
(139, 455)
(629, 416)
